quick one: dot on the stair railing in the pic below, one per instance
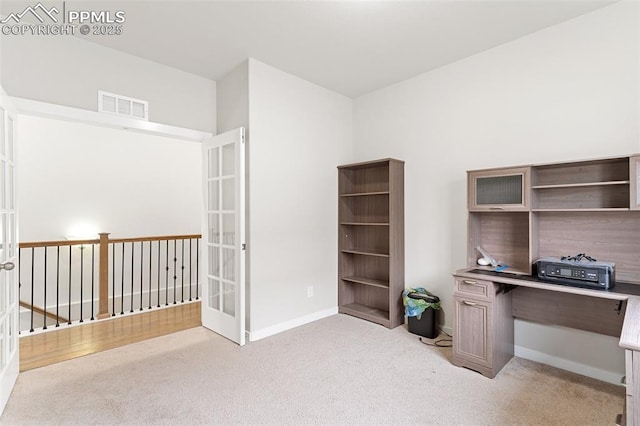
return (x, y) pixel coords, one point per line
(77, 280)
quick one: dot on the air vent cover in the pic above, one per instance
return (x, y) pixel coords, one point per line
(123, 105)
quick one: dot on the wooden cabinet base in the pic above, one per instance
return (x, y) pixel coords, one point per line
(483, 333)
(489, 372)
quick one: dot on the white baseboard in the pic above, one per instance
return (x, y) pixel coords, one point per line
(288, 325)
(565, 364)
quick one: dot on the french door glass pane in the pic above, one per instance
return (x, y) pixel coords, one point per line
(229, 299)
(3, 196)
(228, 264)
(228, 194)
(10, 138)
(213, 195)
(12, 341)
(214, 261)
(9, 187)
(3, 360)
(214, 228)
(11, 242)
(228, 153)
(10, 284)
(228, 228)
(3, 237)
(214, 168)
(4, 280)
(3, 295)
(214, 294)
(2, 145)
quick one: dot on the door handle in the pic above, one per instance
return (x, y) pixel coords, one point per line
(466, 302)
(7, 266)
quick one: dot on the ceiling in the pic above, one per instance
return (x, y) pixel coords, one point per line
(350, 47)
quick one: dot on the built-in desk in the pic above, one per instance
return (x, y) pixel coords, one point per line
(486, 303)
(519, 214)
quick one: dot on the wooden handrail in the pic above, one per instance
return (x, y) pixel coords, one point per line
(161, 238)
(38, 244)
(114, 240)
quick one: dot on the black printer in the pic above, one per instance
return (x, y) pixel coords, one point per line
(579, 271)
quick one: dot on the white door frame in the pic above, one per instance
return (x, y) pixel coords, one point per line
(9, 347)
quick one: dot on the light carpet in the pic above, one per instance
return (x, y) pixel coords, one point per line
(339, 370)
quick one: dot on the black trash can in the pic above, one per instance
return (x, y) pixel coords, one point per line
(427, 324)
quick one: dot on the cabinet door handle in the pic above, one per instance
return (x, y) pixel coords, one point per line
(496, 208)
(466, 302)
(471, 282)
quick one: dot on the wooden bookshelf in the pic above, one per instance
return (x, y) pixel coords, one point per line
(371, 241)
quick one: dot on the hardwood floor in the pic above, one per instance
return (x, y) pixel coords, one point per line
(60, 345)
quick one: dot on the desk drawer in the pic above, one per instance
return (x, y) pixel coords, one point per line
(474, 288)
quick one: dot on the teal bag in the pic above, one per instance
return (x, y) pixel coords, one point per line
(414, 307)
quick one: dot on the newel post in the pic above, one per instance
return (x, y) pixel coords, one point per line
(103, 277)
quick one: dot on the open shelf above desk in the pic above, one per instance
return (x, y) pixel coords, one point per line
(582, 196)
(593, 184)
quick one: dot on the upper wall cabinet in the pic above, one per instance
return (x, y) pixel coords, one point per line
(634, 178)
(499, 189)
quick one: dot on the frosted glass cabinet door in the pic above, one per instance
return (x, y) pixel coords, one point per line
(634, 178)
(506, 189)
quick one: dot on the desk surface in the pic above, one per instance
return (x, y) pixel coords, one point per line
(630, 292)
(621, 290)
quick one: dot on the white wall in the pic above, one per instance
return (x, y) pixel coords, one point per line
(232, 104)
(73, 176)
(69, 71)
(568, 92)
(299, 133)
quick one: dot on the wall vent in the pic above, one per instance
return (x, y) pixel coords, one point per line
(123, 105)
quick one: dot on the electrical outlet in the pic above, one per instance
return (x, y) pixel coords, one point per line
(310, 291)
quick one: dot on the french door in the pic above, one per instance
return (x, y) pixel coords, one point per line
(223, 236)
(9, 359)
